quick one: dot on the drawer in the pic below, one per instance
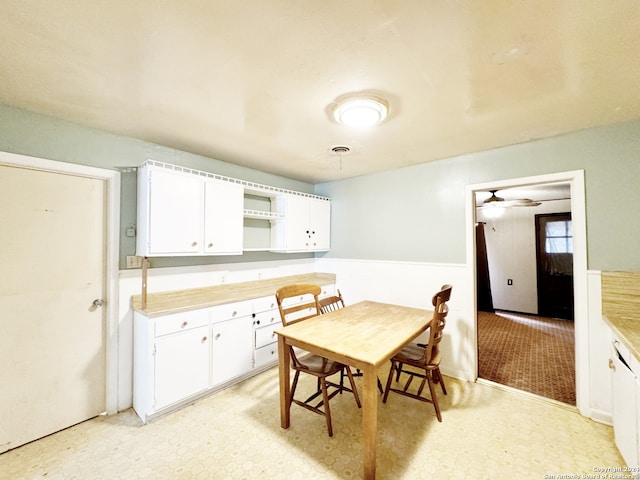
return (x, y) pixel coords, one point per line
(178, 322)
(266, 335)
(269, 317)
(231, 310)
(264, 304)
(265, 355)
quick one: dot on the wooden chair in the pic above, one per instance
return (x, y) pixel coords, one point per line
(424, 359)
(299, 302)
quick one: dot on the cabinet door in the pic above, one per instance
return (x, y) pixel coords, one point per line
(320, 224)
(297, 223)
(181, 366)
(232, 348)
(305, 226)
(175, 212)
(624, 409)
(224, 203)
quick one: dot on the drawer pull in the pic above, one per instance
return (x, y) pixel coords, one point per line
(612, 365)
(273, 334)
(218, 335)
(184, 324)
(210, 245)
(193, 244)
(204, 339)
(234, 313)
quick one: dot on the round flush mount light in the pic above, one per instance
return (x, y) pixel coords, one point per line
(361, 111)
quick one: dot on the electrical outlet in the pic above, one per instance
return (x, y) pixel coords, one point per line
(134, 261)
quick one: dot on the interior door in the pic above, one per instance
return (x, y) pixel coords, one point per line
(52, 327)
(554, 253)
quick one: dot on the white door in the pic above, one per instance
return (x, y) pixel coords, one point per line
(52, 336)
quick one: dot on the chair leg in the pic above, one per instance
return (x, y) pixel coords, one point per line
(440, 380)
(327, 411)
(386, 390)
(353, 386)
(434, 399)
(398, 370)
(293, 386)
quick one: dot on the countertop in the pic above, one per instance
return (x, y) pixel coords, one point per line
(163, 303)
(621, 307)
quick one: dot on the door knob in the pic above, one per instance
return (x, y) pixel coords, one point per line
(98, 302)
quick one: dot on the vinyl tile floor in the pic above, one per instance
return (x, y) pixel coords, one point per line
(487, 432)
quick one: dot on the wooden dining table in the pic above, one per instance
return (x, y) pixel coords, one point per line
(364, 335)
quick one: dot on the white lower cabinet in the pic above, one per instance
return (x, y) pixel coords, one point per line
(181, 356)
(181, 366)
(626, 403)
(266, 321)
(232, 353)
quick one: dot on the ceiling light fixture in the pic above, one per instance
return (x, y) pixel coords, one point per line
(361, 111)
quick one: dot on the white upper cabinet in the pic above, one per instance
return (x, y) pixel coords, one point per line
(170, 212)
(180, 213)
(188, 212)
(223, 223)
(306, 224)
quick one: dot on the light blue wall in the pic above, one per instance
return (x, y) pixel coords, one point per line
(40, 136)
(409, 214)
(418, 213)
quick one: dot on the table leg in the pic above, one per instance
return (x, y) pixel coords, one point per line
(369, 420)
(285, 385)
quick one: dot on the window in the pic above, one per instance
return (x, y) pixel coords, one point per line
(559, 237)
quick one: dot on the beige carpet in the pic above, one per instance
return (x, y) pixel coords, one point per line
(235, 434)
(527, 352)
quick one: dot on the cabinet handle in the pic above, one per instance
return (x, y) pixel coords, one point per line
(612, 365)
(273, 334)
(210, 245)
(184, 324)
(234, 313)
(204, 339)
(258, 322)
(193, 244)
(218, 335)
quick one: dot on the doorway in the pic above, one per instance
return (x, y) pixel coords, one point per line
(575, 181)
(55, 302)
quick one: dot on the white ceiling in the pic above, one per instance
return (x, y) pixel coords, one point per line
(252, 83)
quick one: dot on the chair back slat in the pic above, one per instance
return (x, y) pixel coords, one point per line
(332, 303)
(298, 302)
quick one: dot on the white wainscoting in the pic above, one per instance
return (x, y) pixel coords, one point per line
(599, 353)
(413, 284)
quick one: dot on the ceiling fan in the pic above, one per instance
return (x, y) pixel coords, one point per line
(495, 201)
